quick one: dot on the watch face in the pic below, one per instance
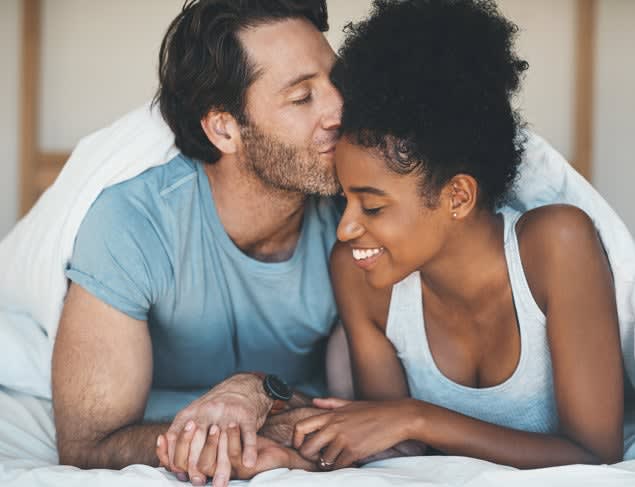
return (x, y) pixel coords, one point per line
(278, 388)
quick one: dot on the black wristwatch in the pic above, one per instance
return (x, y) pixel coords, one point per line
(278, 390)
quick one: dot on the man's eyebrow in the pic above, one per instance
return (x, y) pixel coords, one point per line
(297, 80)
(367, 189)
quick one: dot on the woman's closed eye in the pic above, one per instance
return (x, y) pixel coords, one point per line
(372, 211)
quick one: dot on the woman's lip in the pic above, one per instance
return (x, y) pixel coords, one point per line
(369, 262)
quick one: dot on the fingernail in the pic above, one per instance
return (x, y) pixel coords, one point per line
(213, 430)
(189, 426)
(159, 441)
(198, 481)
(182, 477)
(232, 425)
(219, 480)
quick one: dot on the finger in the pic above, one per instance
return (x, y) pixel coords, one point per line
(172, 435)
(308, 426)
(234, 447)
(223, 466)
(330, 402)
(170, 438)
(250, 442)
(162, 452)
(182, 476)
(207, 460)
(197, 444)
(314, 445)
(346, 458)
(331, 452)
(182, 450)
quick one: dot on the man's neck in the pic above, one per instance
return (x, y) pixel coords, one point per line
(263, 222)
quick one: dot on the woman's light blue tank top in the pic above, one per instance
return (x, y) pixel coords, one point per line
(525, 401)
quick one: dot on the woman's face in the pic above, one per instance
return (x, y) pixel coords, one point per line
(386, 223)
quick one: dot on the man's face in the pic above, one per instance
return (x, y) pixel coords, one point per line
(293, 108)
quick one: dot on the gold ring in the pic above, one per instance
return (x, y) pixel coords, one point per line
(324, 465)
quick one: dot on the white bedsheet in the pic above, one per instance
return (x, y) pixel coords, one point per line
(28, 458)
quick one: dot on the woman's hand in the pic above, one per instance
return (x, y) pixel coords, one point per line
(353, 430)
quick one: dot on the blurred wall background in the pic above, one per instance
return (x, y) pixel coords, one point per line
(9, 59)
(99, 61)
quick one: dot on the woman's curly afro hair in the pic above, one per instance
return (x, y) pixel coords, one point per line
(428, 83)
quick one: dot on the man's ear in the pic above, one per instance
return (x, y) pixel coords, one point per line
(222, 130)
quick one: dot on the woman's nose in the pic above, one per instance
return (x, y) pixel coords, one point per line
(349, 230)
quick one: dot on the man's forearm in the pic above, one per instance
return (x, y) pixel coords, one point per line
(127, 446)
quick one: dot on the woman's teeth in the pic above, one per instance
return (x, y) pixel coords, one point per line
(361, 254)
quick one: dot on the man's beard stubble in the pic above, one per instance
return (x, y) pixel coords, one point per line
(287, 167)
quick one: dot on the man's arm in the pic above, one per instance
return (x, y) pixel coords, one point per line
(102, 373)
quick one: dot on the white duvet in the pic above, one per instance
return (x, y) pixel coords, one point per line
(32, 288)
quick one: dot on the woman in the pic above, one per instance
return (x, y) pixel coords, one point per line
(501, 326)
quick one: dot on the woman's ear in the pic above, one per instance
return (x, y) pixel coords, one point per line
(462, 195)
(222, 130)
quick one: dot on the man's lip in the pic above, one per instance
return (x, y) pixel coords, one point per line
(331, 149)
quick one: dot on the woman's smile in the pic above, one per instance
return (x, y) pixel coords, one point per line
(367, 257)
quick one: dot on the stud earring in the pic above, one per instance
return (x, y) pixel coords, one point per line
(454, 215)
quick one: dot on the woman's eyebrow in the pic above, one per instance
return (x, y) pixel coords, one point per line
(367, 189)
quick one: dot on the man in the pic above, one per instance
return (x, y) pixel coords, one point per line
(216, 262)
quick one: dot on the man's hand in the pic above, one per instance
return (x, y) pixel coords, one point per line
(239, 400)
(223, 452)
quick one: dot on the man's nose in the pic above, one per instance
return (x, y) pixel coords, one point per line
(349, 230)
(333, 112)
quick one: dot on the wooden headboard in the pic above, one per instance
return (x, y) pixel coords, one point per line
(39, 168)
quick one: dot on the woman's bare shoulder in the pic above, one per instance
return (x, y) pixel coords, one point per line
(550, 237)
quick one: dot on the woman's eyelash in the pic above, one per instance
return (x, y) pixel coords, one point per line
(371, 211)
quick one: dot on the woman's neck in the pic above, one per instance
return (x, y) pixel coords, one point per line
(471, 269)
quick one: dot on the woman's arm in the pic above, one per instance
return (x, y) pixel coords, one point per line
(377, 371)
(572, 272)
(570, 278)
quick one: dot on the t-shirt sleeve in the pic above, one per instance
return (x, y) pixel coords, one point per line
(118, 255)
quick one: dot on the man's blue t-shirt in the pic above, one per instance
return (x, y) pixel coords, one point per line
(154, 248)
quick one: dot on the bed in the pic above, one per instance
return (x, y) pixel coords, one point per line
(28, 458)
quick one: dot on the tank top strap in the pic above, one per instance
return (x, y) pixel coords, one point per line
(523, 298)
(405, 327)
